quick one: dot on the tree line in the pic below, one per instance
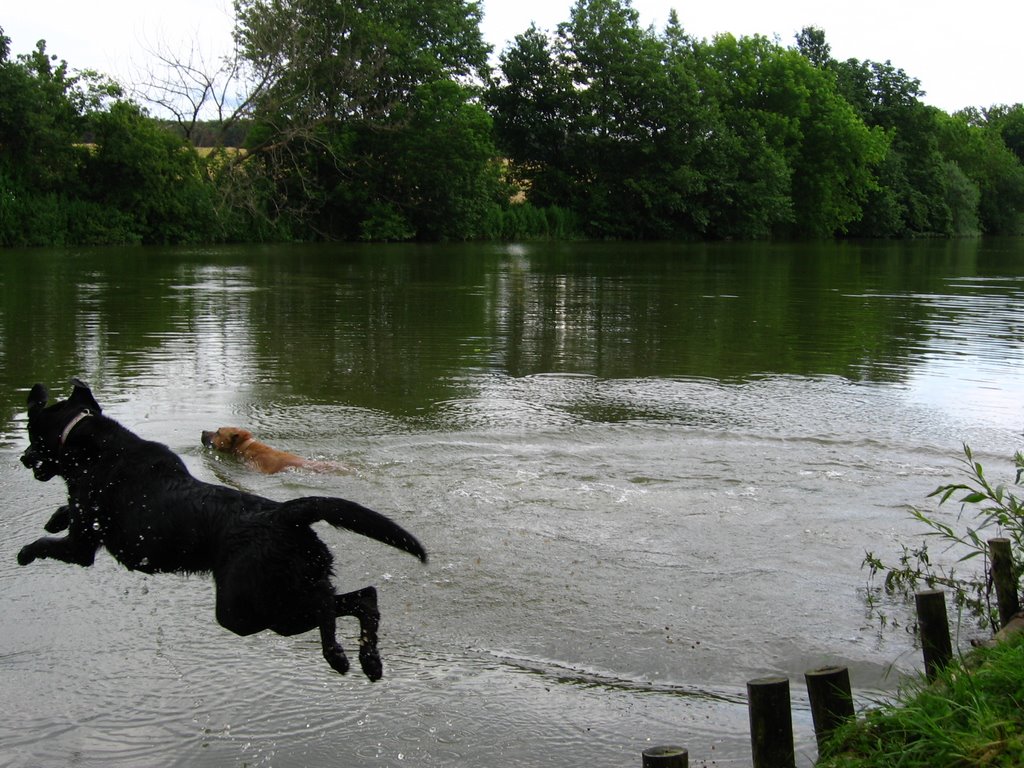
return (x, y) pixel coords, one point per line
(354, 120)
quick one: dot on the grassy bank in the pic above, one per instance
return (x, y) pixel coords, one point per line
(973, 715)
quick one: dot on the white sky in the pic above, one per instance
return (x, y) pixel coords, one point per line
(964, 54)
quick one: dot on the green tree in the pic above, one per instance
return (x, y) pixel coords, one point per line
(815, 158)
(338, 83)
(328, 60)
(533, 112)
(618, 154)
(44, 111)
(962, 198)
(811, 43)
(75, 169)
(755, 198)
(439, 169)
(835, 164)
(1009, 121)
(606, 118)
(43, 124)
(977, 147)
(693, 133)
(41, 119)
(911, 198)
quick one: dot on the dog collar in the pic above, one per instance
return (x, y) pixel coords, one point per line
(71, 425)
(246, 443)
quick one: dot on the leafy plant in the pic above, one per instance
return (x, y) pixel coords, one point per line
(986, 511)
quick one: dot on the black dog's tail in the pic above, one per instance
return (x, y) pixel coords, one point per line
(351, 516)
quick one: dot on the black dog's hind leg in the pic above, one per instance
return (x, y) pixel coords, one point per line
(363, 605)
(59, 520)
(67, 549)
(333, 651)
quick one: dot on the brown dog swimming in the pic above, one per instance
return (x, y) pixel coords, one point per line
(241, 442)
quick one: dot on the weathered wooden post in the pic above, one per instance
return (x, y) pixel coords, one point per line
(831, 700)
(934, 626)
(666, 756)
(771, 723)
(1001, 556)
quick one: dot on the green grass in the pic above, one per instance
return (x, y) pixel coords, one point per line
(973, 715)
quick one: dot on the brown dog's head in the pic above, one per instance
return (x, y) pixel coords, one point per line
(226, 439)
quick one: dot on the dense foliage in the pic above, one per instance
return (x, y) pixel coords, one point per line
(383, 121)
(647, 134)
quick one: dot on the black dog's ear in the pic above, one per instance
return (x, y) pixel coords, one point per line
(37, 398)
(82, 395)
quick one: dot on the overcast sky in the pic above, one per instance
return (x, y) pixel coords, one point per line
(964, 53)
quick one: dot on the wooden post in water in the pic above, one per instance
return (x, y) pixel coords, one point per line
(934, 626)
(771, 723)
(1001, 555)
(666, 757)
(831, 700)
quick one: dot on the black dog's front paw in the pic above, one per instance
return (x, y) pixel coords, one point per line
(60, 520)
(26, 555)
(67, 550)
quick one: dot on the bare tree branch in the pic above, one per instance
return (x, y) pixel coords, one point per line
(189, 88)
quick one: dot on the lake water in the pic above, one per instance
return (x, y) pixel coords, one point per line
(646, 474)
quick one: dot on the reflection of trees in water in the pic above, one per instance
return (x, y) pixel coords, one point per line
(401, 328)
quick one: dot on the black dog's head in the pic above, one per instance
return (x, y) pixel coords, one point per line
(49, 426)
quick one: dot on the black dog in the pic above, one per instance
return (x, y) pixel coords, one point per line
(137, 499)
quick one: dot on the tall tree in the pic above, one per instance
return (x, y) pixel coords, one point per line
(605, 117)
(42, 118)
(836, 162)
(811, 43)
(621, 89)
(752, 193)
(977, 147)
(1009, 121)
(534, 116)
(812, 150)
(332, 75)
(337, 59)
(436, 175)
(911, 196)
